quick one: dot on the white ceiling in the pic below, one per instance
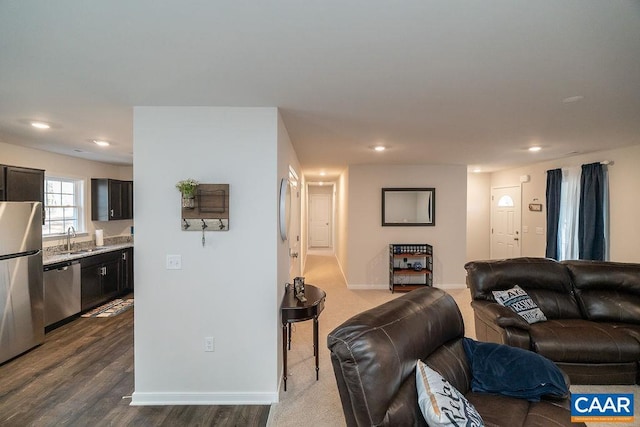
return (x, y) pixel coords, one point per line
(448, 82)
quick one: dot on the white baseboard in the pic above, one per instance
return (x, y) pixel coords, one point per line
(149, 399)
(344, 276)
(383, 287)
(320, 251)
(451, 286)
(367, 287)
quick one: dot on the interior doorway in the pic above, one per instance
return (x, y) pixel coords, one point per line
(506, 214)
(320, 216)
(294, 231)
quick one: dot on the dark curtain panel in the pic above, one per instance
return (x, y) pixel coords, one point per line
(554, 186)
(591, 243)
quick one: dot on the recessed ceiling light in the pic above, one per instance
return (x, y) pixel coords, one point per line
(573, 99)
(323, 173)
(379, 148)
(477, 170)
(101, 143)
(534, 149)
(40, 125)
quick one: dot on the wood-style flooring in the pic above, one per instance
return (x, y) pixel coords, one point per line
(83, 376)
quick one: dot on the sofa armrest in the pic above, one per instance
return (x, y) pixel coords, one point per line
(564, 401)
(494, 313)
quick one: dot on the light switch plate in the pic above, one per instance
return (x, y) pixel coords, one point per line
(174, 262)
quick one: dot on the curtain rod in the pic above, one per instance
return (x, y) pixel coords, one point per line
(603, 162)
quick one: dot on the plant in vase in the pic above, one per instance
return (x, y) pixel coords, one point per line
(188, 189)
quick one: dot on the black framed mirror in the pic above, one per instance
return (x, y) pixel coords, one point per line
(408, 207)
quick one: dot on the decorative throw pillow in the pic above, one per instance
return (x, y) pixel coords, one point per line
(520, 302)
(512, 371)
(441, 404)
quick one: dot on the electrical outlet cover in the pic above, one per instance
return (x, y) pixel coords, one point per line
(208, 344)
(174, 262)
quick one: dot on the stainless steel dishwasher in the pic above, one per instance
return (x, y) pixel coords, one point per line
(61, 291)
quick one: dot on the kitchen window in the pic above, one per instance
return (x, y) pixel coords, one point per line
(64, 205)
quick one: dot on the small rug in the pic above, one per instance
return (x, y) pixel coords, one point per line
(112, 308)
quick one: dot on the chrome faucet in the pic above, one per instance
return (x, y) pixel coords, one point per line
(71, 232)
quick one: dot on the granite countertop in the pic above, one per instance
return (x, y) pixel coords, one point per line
(49, 259)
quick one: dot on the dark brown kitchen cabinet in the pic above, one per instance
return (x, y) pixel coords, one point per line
(126, 284)
(111, 199)
(100, 277)
(127, 198)
(91, 286)
(19, 184)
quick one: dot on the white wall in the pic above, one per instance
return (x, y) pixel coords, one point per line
(368, 251)
(624, 178)
(286, 268)
(60, 165)
(231, 288)
(478, 216)
(342, 220)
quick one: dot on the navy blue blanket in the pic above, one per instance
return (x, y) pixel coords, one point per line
(512, 371)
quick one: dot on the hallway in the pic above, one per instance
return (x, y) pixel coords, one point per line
(318, 402)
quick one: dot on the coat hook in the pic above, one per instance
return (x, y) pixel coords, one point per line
(204, 225)
(185, 224)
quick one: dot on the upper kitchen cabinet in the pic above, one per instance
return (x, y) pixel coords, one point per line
(111, 199)
(127, 192)
(18, 184)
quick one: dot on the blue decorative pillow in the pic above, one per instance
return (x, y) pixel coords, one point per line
(440, 403)
(512, 371)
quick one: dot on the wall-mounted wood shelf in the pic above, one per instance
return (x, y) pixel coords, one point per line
(211, 208)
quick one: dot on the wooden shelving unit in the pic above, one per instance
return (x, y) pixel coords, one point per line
(410, 266)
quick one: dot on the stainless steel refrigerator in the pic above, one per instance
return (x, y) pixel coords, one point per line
(21, 289)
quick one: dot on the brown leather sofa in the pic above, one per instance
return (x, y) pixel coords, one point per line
(374, 356)
(592, 331)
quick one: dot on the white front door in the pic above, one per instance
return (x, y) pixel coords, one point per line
(320, 220)
(505, 222)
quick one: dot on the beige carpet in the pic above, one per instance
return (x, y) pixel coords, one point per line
(317, 403)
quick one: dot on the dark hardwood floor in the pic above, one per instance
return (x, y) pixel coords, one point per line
(83, 376)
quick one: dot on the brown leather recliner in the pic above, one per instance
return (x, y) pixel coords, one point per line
(374, 356)
(593, 311)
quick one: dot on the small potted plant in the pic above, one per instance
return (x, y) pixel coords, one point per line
(188, 189)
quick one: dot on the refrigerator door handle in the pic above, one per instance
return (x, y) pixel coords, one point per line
(19, 254)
